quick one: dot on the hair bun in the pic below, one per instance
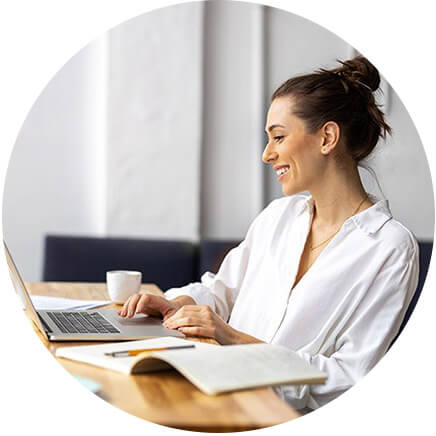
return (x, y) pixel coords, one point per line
(361, 70)
(344, 95)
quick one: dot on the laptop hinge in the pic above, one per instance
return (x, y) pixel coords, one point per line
(45, 325)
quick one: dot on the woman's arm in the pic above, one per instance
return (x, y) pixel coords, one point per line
(367, 334)
(219, 291)
(200, 320)
(183, 314)
(153, 305)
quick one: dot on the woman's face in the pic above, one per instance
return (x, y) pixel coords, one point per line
(294, 154)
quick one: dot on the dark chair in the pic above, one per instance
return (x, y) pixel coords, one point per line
(166, 263)
(212, 253)
(86, 259)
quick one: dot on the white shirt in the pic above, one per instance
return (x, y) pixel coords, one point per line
(344, 312)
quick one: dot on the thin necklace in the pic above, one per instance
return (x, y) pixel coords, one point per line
(337, 231)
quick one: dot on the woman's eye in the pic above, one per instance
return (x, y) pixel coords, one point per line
(278, 138)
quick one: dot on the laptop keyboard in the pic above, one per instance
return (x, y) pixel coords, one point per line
(82, 322)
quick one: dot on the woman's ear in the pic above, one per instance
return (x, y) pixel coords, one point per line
(330, 133)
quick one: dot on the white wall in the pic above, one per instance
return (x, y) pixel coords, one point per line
(233, 126)
(53, 182)
(157, 130)
(404, 174)
(297, 46)
(154, 124)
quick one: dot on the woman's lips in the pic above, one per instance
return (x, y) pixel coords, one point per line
(282, 171)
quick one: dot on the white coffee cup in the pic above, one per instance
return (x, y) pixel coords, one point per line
(122, 284)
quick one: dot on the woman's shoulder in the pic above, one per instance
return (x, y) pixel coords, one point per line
(379, 224)
(397, 235)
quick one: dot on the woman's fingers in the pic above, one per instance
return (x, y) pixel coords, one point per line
(176, 322)
(121, 312)
(148, 304)
(199, 320)
(193, 320)
(192, 310)
(154, 305)
(204, 332)
(131, 306)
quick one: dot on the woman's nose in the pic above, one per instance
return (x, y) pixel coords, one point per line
(269, 155)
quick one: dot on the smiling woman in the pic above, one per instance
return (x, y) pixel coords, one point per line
(319, 127)
(329, 275)
(291, 150)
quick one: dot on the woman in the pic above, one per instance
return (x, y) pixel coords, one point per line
(328, 275)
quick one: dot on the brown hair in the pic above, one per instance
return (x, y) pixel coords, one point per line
(344, 95)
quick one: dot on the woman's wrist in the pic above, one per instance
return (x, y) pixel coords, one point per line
(183, 300)
(236, 337)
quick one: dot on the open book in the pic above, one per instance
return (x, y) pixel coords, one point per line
(212, 368)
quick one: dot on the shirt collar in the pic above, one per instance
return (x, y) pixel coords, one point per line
(371, 220)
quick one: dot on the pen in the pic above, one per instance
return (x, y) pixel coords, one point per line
(126, 353)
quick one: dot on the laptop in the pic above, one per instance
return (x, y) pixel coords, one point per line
(86, 325)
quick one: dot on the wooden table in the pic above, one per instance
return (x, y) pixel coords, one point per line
(167, 398)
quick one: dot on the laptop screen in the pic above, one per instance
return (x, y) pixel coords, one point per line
(21, 290)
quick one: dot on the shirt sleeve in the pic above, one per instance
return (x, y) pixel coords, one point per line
(366, 337)
(219, 291)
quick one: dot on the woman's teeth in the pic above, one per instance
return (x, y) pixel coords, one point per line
(281, 171)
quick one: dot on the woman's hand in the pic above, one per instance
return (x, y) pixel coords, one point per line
(201, 321)
(184, 315)
(149, 304)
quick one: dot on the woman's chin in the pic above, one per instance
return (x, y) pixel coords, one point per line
(289, 190)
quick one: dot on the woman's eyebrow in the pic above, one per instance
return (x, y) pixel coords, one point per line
(273, 126)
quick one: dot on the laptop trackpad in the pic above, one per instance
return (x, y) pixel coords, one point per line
(139, 320)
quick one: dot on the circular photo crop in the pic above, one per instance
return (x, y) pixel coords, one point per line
(210, 218)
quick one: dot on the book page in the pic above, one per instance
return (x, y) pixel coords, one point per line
(95, 354)
(233, 367)
(213, 369)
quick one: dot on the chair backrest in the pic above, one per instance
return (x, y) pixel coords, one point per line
(211, 254)
(166, 263)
